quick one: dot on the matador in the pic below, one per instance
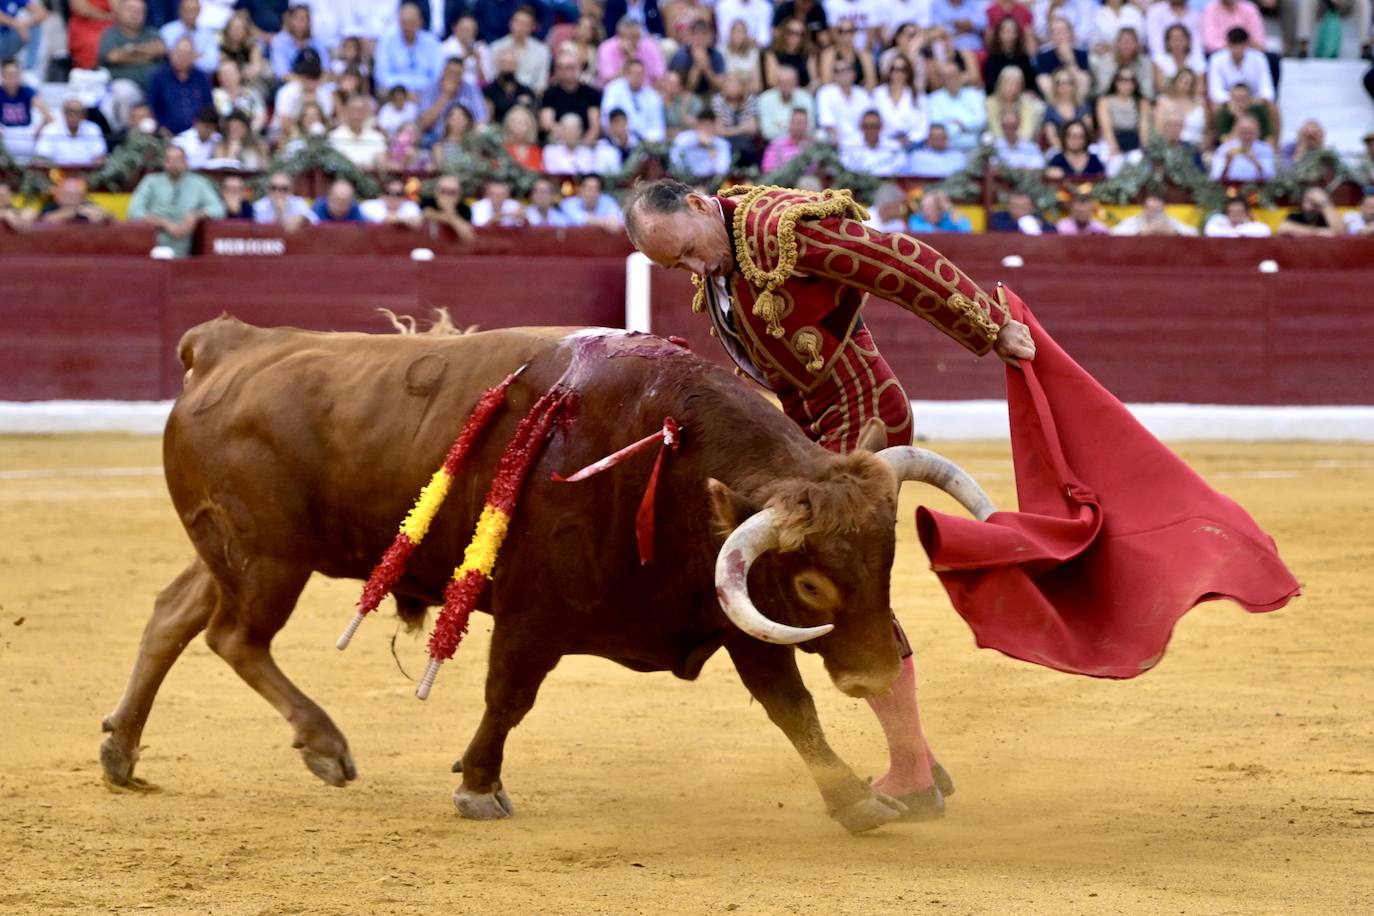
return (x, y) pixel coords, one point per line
(783, 276)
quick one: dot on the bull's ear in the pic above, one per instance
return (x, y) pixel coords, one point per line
(728, 508)
(873, 436)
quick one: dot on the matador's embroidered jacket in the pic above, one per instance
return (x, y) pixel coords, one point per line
(805, 263)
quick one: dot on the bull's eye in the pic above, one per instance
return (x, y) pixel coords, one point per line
(816, 590)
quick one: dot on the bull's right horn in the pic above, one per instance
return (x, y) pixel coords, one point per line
(757, 535)
(911, 463)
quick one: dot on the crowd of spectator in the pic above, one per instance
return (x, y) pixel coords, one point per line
(1074, 89)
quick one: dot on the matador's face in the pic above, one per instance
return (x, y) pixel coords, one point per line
(694, 239)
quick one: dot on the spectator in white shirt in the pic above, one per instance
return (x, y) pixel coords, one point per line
(205, 40)
(1011, 149)
(1235, 221)
(757, 16)
(960, 107)
(888, 213)
(1245, 157)
(903, 111)
(497, 207)
(936, 159)
(867, 17)
(1111, 17)
(199, 140)
(543, 206)
(279, 206)
(1153, 219)
(392, 208)
(841, 104)
(775, 106)
(1361, 222)
(398, 111)
(873, 154)
(615, 145)
(1238, 63)
(532, 56)
(640, 102)
(701, 152)
(356, 139)
(71, 140)
(566, 155)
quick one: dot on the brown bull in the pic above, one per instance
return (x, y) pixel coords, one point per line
(291, 452)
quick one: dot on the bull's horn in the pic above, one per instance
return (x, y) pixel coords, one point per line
(757, 535)
(912, 463)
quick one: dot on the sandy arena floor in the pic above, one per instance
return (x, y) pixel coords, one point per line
(1238, 777)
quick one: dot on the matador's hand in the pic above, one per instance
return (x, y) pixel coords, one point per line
(1014, 342)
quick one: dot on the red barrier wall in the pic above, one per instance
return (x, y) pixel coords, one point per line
(1154, 319)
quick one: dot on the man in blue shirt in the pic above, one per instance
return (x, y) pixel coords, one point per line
(17, 21)
(294, 38)
(340, 205)
(966, 20)
(184, 26)
(935, 159)
(590, 207)
(178, 91)
(408, 56)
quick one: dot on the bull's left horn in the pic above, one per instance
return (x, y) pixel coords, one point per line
(911, 463)
(745, 544)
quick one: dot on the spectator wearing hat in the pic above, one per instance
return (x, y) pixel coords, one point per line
(295, 37)
(200, 139)
(392, 208)
(71, 141)
(132, 52)
(280, 207)
(1235, 221)
(175, 200)
(340, 204)
(178, 92)
(304, 86)
(206, 42)
(407, 55)
(1080, 220)
(70, 205)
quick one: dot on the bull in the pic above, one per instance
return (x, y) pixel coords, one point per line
(290, 452)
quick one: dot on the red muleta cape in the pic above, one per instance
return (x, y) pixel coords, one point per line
(1115, 540)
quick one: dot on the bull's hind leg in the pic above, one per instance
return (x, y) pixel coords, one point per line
(181, 611)
(517, 665)
(255, 606)
(770, 672)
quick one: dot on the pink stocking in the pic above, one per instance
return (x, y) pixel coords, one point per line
(911, 758)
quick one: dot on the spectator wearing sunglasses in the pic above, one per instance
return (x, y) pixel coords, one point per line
(280, 207)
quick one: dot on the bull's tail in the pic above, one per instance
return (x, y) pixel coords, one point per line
(412, 612)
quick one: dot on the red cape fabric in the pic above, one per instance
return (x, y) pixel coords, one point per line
(1115, 540)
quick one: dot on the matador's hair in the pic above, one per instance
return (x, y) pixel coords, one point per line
(664, 196)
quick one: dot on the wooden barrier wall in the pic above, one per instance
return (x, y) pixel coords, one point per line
(1183, 320)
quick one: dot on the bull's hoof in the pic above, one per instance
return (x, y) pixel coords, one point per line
(925, 805)
(479, 806)
(869, 813)
(117, 764)
(942, 780)
(337, 770)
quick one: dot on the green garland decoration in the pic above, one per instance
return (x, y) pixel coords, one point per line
(315, 154)
(1322, 168)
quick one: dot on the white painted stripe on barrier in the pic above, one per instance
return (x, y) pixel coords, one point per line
(637, 273)
(935, 420)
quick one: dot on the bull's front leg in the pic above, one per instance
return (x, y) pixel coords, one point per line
(770, 672)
